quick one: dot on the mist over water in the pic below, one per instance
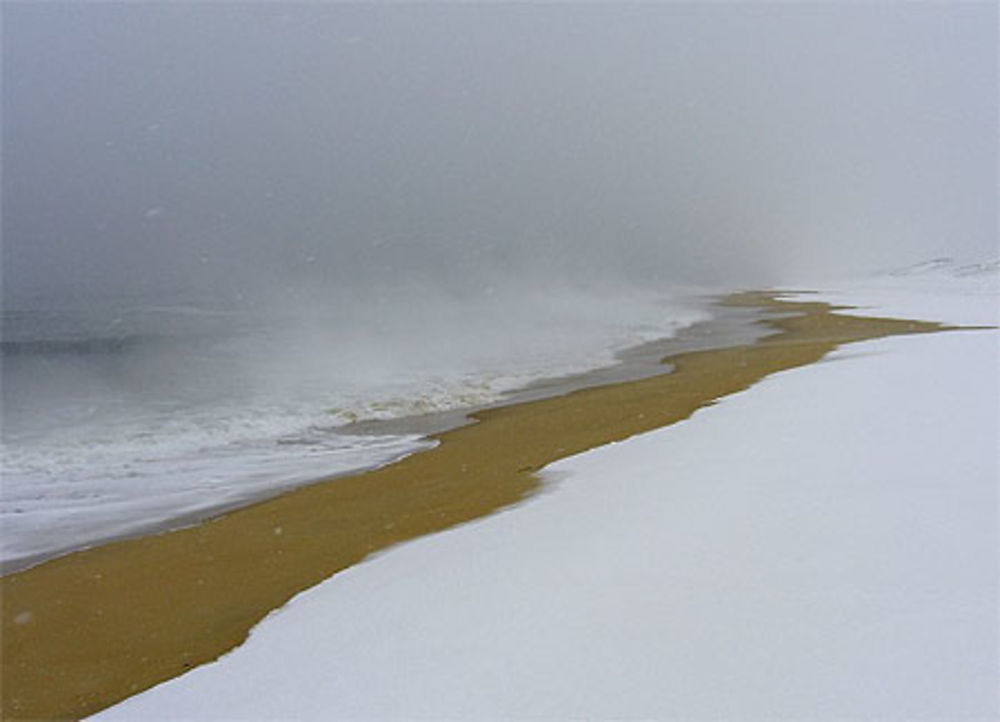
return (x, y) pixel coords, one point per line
(256, 148)
(230, 227)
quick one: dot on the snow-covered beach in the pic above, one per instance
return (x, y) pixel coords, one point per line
(822, 545)
(832, 516)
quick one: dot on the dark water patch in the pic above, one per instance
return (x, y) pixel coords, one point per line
(74, 347)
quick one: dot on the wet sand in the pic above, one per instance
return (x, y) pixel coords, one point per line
(83, 631)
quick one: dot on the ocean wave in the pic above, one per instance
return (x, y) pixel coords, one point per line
(109, 434)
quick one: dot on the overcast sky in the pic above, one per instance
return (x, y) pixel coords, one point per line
(149, 147)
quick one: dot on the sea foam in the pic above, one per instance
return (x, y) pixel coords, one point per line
(129, 418)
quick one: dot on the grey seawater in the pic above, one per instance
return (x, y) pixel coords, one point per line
(153, 417)
(128, 417)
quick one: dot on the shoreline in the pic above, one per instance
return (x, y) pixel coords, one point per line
(729, 326)
(103, 621)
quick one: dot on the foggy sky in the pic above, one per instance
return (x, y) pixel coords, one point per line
(150, 148)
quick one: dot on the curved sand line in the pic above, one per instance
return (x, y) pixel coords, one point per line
(88, 629)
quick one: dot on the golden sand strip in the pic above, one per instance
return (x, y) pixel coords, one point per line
(86, 630)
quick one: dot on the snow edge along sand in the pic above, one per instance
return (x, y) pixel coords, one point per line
(736, 564)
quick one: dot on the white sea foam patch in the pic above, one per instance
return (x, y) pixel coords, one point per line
(47, 513)
(104, 439)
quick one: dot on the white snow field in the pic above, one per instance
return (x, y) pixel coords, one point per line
(823, 545)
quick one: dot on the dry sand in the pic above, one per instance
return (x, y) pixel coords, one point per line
(86, 630)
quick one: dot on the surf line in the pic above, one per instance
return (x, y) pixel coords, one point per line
(88, 629)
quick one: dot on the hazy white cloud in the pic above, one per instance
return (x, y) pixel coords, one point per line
(253, 145)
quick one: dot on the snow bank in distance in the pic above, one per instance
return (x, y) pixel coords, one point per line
(941, 289)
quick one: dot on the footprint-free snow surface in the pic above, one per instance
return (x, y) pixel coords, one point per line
(821, 545)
